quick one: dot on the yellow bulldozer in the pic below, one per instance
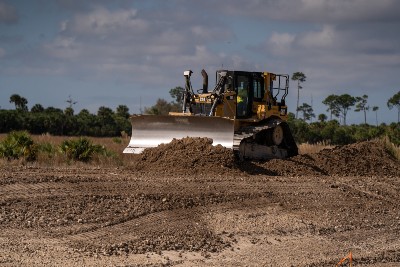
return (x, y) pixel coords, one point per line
(245, 112)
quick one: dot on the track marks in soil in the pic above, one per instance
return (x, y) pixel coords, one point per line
(133, 229)
(21, 190)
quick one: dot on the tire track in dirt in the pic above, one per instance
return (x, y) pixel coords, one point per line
(133, 228)
(364, 192)
(33, 175)
(48, 189)
(154, 220)
(166, 230)
(20, 190)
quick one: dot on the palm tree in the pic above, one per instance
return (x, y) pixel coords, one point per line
(70, 101)
(394, 101)
(307, 111)
(345, 102)
(299, 77)
(362, 106)
(322, 117)
(19, 102)
(331, 102)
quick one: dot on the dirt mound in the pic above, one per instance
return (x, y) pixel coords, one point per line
(199, 156)
(360, 159)
(187, 155)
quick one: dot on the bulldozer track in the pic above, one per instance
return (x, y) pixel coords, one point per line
(248, 134)
(250, 131)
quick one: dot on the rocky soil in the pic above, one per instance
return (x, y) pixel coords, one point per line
(189, 203)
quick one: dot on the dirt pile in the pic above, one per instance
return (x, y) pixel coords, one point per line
(187, 155)
(199, 156)
(360, 159)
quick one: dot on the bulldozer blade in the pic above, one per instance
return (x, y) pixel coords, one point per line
(152, 130)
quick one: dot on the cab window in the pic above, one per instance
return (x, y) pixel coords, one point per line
(257, 90)
(242, 88)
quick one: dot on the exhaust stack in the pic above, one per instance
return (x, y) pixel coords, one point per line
(205, 81)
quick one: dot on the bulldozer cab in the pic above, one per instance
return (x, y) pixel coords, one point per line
(255, 89)
(238, 94)
(249, 88)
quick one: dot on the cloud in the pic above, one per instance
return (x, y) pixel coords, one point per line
(103, 23)
(286, 45)
(336, 44)
(134, 44)
(8, 14)
(315, 11)
(355, 58)
(63, 48)
(343, 11)
(323, 39)
(281, 43)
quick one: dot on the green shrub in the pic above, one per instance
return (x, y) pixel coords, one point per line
(81, 149)
(18, 144)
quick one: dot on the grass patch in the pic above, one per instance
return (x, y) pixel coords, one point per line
(313, 148)
(393, 149)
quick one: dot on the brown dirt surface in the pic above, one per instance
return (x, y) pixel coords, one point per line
(364, 158)
(187, 155)
(191, 204)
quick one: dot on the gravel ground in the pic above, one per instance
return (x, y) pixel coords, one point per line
(191, 204)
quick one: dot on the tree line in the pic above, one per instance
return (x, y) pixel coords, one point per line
(339, 105)
(107, 122)
(55, 121)
(332, 132)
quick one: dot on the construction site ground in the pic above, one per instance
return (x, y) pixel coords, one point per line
(192, 204)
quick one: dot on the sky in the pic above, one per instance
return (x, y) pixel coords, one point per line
(110, 53)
